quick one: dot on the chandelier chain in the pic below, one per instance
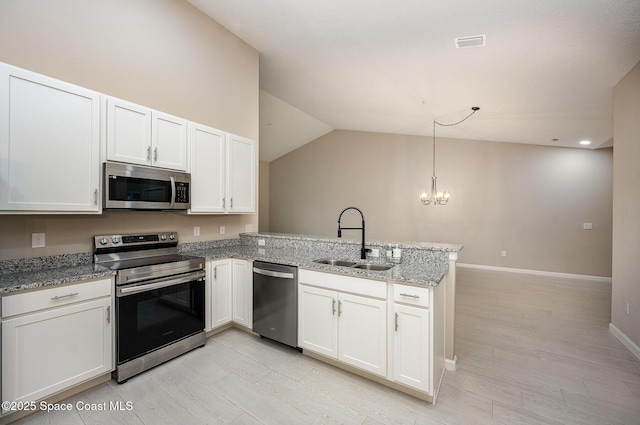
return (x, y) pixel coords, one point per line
(473, 111)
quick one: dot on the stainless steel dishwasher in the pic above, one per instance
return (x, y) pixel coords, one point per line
(275, 302)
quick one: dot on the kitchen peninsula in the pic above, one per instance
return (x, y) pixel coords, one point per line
(411, 296)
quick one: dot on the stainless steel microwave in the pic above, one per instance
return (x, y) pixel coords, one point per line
(137, 187)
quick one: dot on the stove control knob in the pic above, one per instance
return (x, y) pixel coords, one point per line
(172, 236)
(163, 237)
(115, 239)
(104, 241)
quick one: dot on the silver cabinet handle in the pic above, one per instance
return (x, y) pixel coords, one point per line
(410, 296)
(58, 297)
(148, 153)
(109, 314)
(95, 197)
(396, 322)
(333, 305)
(231, 203)
(215, 272)
(339, 308)
(155, 154)
(224, 202)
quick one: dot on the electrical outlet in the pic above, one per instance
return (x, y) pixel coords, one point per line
(37, 240)
(222, 230)
(587, 226)
(248, 228)
(504, 253)
(196, 230)
(626, 307)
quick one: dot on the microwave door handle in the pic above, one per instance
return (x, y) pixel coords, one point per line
(173, 192)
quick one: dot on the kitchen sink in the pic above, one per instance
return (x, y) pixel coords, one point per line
(374, 267)
(354, 265)
(340, 263)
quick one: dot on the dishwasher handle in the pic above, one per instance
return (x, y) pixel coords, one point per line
(271, 273)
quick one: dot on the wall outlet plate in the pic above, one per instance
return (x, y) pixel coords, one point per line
(587, 226)
(37, 240)
(222, 230)
(196, 230)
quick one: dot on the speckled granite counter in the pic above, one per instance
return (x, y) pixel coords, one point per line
(422, 263)
(39, 272)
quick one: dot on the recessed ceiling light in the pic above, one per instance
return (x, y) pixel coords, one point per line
(471, 41)
(585, 142)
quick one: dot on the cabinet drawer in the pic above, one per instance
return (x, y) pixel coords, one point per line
(337, 282)
(412, 295)
(13, 305)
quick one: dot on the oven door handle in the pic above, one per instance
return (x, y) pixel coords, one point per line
(157, 284)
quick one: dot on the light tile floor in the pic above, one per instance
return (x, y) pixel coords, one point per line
(531, 350)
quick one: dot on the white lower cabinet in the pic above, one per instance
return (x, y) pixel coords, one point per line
(242, 286)
(392, 330)
(348, 324)
(231, 292)
(63, 339)
(221, 298)
(411, 354)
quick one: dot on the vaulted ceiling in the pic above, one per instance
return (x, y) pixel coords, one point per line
(547, 70)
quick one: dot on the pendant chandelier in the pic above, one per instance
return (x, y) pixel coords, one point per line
(439, 197)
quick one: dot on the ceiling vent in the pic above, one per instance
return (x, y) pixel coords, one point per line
(472, 41)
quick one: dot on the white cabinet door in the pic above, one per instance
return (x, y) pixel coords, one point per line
(49, 351)
(362, 339)
(169, 141)
(221, 293)
(318, 320)
(208, 169)
(241, 182)
(49, 144)
(128, 132)
(242, 293)
(411, 352)
(139, 135)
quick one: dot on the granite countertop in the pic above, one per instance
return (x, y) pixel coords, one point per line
(301, 251)
(427, 267)
(409, 273)
(32, 279)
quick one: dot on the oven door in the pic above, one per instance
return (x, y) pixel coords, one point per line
(157, 313)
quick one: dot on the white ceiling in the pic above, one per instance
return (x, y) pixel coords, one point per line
(547, 71)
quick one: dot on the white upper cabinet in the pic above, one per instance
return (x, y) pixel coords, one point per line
(223, 172)
(139, 135)
(169, 141)
(49, 144)
(241, 185)
(208, 169)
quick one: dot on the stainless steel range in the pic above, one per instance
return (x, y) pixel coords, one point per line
(160, 299)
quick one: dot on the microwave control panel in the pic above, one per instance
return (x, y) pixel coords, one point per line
(182, 192)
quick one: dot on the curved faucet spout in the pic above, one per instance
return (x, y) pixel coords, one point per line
(363, 250)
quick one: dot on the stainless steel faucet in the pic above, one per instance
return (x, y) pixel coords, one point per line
(363, 250)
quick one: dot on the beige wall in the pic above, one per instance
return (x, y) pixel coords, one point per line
(626, 205)
(263, 208)
(164, 54)
(530, 201)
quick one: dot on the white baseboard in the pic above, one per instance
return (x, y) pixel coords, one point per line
(451, 364)
(624, 339)
(602, 279)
